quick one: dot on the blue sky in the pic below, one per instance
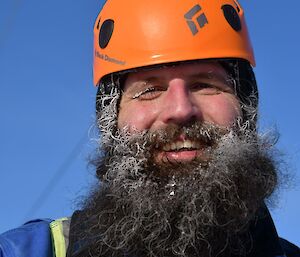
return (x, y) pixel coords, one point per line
(47, 103)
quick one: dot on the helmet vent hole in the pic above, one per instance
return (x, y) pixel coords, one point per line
(232, 17)
(106, 32)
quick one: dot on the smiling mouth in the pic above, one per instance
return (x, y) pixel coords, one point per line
(184, 150)
(186, 145)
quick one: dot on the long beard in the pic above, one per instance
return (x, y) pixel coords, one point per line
(203, 208)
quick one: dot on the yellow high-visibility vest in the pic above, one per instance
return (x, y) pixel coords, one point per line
(60, 236)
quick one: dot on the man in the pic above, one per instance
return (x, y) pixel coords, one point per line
(181, 168)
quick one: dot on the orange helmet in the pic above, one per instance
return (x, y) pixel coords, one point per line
(136, 33)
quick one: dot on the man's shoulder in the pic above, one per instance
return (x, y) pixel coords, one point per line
(290, 249)
(31, 239)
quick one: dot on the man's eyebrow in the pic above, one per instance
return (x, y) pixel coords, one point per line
(142, 83)
(152, 79)
(209, 75)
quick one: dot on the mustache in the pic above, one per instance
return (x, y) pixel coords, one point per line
(207, 134)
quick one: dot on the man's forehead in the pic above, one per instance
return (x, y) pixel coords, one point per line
(203, 68)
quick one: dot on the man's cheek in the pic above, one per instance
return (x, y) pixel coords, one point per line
(135, 119)
(225, 112)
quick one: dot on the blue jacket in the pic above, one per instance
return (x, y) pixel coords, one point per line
(33, 239)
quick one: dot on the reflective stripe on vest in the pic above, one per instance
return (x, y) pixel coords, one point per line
(60, 234)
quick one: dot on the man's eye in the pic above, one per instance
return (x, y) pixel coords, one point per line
(205, 89)
(148, 93)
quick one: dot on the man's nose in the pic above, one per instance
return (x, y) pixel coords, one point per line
(180, 105)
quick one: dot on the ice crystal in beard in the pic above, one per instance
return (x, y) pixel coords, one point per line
(139, 212)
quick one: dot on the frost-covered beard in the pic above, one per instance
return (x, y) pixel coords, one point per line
(172, 209)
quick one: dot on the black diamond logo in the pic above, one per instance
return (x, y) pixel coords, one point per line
(200, 19)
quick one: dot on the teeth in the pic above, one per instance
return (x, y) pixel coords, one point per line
(167, 147)
(179, 145)
(173, 146)
(188, 144)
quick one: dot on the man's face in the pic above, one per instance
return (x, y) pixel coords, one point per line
(155, 99)
(177, 177)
